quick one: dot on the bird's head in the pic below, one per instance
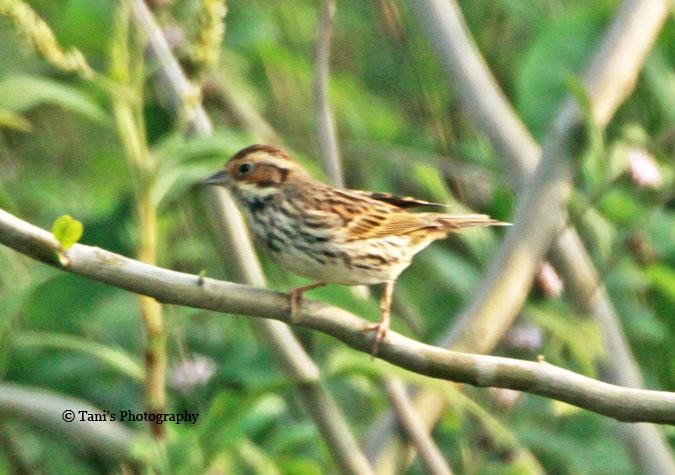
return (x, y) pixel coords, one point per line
(256, 171)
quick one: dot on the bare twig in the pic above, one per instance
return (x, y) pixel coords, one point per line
(179, 89)
(627, 404)
(294, 360)
(131, 131)
(417, 432)
(325, 123)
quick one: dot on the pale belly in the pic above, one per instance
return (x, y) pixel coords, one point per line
(355, 263)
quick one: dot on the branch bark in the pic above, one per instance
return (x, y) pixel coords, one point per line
(417, 432)
(167, 286)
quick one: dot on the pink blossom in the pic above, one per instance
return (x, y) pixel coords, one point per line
(505, 398)
(549, 281)
(525, 337)
(644, 170)
(191, 372)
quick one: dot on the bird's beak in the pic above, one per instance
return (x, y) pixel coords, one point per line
(219, 178)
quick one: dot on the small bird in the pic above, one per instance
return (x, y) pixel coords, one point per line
(332, 235)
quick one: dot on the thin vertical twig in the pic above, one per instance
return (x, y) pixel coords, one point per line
(325, 123)
(231, 230)
(151, 311)
(126, 107)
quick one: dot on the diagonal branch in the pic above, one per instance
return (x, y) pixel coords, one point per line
(417, 432)
(167, 286)
(542, 207)
(326, 132)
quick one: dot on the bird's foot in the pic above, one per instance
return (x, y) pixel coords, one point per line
(296, 300)
(380, 328)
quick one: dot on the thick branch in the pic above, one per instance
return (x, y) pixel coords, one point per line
(626, 404)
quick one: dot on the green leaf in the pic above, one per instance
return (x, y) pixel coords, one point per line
(14, 121)
(185, 163)
(21, 93)
(172, 185)
(67, 231)
(662, 278)
(301, 465)
(561, 48)
(578, 91)
(429, 177)
(593, 162)
(579, 336)
(185, 454)
(660, 79)
(255, 459)
(562, 409)
(6, 200)
(115, 358)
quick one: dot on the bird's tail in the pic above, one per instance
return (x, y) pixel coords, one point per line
(452, 223)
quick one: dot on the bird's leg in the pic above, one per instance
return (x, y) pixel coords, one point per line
(296, 299)
(382, 326)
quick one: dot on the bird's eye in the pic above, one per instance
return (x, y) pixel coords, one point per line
(245, 168)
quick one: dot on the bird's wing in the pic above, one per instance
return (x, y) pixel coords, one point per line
(364, 217)
(394, 223)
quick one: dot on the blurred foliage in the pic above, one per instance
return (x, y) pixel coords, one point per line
(400, 130)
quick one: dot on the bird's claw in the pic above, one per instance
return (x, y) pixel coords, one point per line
(380, 330)
(295, 302)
